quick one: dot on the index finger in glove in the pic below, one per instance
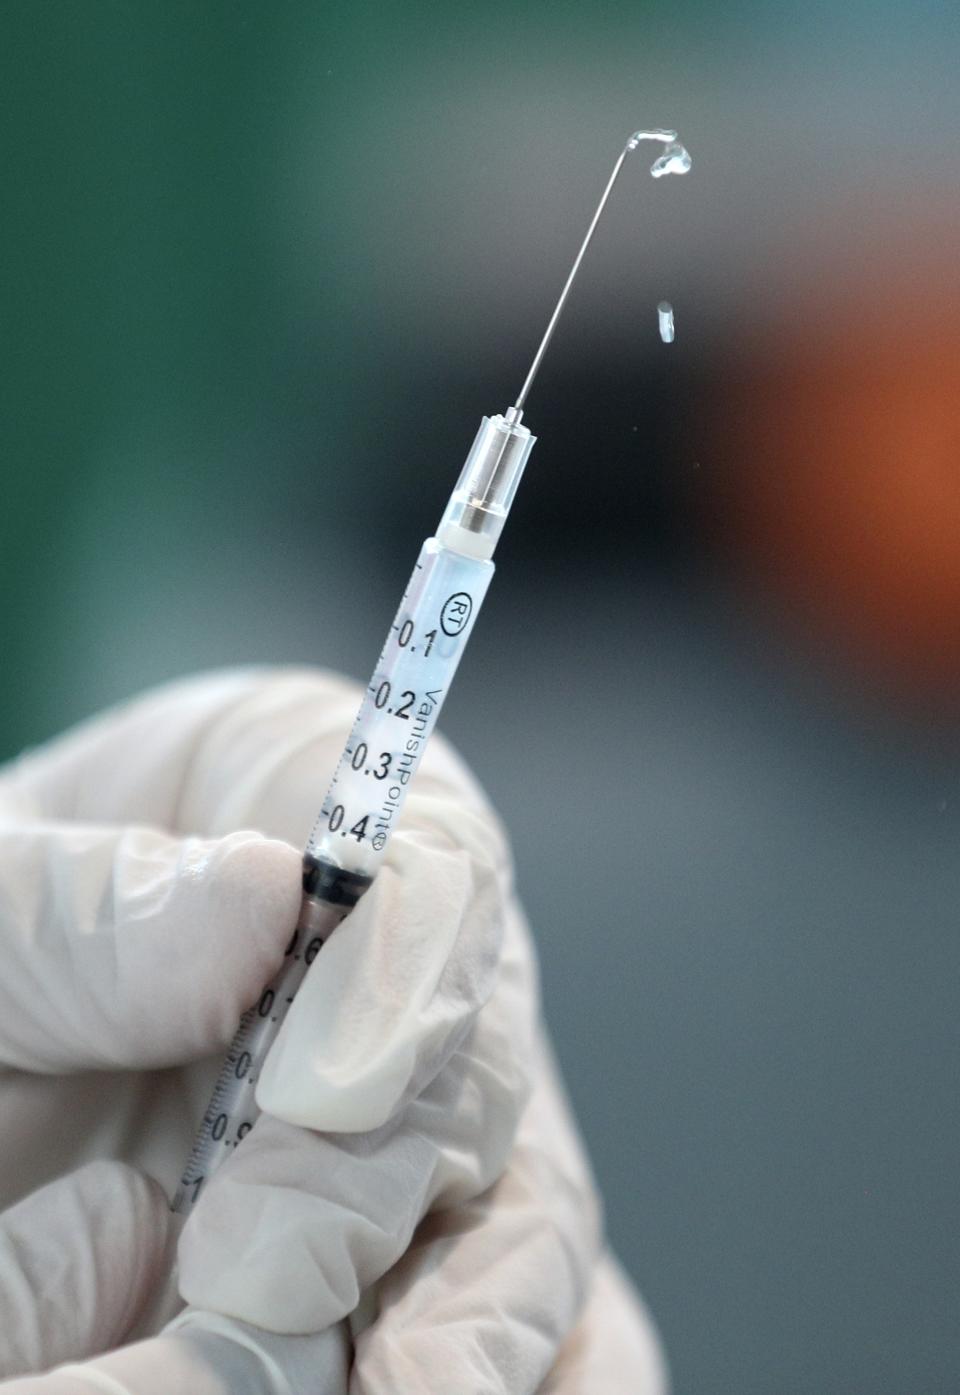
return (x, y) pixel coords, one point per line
(147, 760)
(127, 947)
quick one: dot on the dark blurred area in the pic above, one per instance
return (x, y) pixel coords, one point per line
(263, 270)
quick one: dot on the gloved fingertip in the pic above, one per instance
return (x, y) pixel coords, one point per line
(258, 882)
(317, 1096)
(202, 929)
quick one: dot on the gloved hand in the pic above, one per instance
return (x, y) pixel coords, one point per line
(417, 1171)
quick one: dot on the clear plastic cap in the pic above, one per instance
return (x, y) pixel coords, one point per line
(479, 504)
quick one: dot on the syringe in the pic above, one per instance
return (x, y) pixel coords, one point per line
(396, 717)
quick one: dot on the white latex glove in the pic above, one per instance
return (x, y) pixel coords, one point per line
(135, 926)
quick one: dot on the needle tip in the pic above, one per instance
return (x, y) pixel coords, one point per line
(667, 137)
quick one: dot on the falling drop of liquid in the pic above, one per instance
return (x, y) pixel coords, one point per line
(665, 316)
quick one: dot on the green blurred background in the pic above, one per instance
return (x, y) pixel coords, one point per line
(264, 268)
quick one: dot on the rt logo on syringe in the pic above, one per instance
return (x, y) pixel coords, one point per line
(455, 613)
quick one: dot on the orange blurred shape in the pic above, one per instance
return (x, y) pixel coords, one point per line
(840, 432)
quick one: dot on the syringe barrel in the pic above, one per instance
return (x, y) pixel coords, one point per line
(479, 505)
(399, 711)
(397, 715)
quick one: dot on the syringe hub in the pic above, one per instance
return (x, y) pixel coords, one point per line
(479, 504)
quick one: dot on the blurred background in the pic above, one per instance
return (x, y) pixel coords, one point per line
(264, 268)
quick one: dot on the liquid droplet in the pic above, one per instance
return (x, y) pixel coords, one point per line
(665, 316)
(674, 160)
